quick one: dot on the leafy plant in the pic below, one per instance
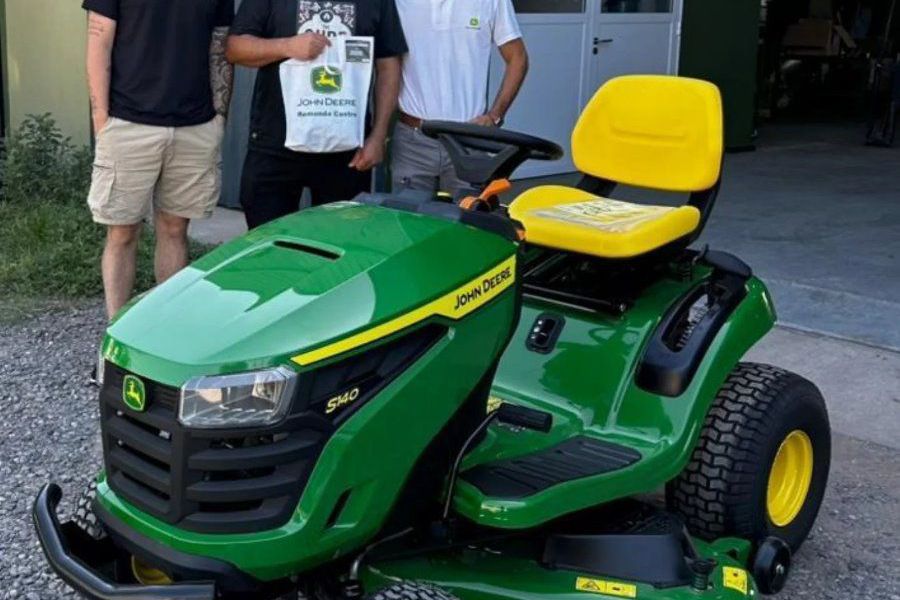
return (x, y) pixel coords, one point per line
(49, 246)
(40, 164)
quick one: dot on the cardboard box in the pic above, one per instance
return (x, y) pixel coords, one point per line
(811, 36)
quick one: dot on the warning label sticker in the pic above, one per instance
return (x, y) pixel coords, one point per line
(608, 588)
(735, 579)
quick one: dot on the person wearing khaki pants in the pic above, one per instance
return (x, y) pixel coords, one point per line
(160, 88)
(445, 77)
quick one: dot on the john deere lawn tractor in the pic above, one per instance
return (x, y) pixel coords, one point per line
(414, 396)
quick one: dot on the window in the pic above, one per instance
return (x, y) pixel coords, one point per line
(548, 6)
(637, 6)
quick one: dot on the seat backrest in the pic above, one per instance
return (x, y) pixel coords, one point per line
(652, 131)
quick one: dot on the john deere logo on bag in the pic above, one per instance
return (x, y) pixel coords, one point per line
(327, 80)
(134, 394)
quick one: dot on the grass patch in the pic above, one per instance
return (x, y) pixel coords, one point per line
(49, 246)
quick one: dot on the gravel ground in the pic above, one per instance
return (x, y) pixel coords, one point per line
(49, 431)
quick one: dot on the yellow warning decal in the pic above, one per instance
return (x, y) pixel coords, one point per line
(493, 404)
(610, 588)
(455, 305)
(735, 579)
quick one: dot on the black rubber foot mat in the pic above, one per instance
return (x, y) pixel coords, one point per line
(527, 475)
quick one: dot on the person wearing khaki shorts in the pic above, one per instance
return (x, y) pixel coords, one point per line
(160, 88)
(140, 170)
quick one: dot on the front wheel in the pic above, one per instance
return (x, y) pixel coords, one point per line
(761, 465)
(411, 590)
(84, 515)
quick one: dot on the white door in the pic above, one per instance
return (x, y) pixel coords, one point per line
(633, 37)
(574, 47)
(556, 32)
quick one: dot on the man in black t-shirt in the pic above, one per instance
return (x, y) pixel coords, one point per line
(264, 34)
(160, 88)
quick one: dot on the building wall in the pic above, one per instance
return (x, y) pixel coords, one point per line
(45, 70)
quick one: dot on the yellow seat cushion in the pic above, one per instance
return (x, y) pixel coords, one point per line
(570, 219)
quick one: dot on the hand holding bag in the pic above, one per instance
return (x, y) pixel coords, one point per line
(326, 99)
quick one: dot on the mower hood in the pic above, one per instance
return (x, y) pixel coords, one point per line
(305, 280)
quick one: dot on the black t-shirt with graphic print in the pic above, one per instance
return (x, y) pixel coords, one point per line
(160, 58)
(285, 18)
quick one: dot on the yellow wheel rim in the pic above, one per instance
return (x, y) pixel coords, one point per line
(789, 478)
(147, 575)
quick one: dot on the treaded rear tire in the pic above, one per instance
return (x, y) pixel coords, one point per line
(84, 515)
(411, 590)
(722, 491)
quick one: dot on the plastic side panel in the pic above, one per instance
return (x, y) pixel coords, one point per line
(371, 456)
(588, 383)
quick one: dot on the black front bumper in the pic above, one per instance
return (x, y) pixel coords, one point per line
(84, 563)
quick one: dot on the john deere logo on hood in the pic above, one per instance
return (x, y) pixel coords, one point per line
(327, 80)
(134, 395)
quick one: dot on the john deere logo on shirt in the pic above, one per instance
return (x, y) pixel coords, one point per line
(134, 395)
(327, 80)
(474, 23)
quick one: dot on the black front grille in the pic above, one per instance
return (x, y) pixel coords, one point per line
(206, 481)
(239, 480)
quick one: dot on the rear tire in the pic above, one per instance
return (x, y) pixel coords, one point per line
(411, 590)
(761, 413)
(84, 515)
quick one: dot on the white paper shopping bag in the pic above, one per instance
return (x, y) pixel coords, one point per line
(325, 99)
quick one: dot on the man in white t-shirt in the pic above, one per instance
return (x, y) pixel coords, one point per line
(445, 77)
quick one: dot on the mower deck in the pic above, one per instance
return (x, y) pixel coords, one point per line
(625, 550)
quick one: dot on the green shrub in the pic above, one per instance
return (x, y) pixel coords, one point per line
(40, 165)
(49, 246)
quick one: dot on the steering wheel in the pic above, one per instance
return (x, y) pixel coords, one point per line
(482, 154)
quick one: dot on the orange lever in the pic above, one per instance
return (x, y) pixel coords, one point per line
(495, 188)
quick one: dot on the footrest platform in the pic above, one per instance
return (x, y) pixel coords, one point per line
(524, 476)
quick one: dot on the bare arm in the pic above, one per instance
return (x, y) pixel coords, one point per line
(387, 89)
(221, 73)
(516, 58)
(101, 35)
(252, 51)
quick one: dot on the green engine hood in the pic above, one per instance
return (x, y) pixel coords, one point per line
(296, 284)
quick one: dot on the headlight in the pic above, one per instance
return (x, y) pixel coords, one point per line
(242, 400)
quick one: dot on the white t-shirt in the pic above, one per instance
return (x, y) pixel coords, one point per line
(450, 43)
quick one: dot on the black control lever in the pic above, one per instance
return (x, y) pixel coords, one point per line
(510, 414)
(528, 418)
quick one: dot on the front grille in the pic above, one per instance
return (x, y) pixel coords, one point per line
(206, 481)
(239, 480)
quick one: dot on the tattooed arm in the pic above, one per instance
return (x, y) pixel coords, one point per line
(101, 34)
(221, 73)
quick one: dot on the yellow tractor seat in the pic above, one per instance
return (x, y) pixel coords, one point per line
(651, 131)
(574, 220)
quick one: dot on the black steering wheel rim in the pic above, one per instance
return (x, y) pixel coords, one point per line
(493, 139)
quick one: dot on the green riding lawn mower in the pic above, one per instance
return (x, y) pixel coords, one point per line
(414, 396)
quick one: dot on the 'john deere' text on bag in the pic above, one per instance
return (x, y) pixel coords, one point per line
(325, 99)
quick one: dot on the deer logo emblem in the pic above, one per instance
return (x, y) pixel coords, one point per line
(134, 393)
(327, 80)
